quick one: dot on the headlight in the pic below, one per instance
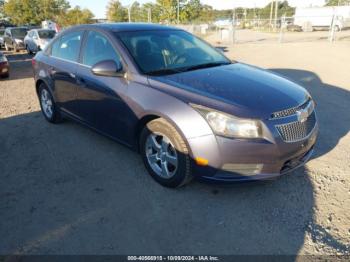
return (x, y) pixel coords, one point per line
(228, 125)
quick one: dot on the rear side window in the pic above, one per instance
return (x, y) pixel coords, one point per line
(55, 48)
(97, 49)
(67, 47)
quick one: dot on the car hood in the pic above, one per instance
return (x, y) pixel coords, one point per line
(239, 89)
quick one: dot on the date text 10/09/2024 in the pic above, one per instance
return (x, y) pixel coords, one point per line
(173, 258)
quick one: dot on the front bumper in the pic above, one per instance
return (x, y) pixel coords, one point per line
(276, 157)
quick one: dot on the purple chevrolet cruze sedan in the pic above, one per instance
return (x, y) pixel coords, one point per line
(188, 110)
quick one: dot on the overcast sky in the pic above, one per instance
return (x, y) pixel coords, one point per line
(98, 7)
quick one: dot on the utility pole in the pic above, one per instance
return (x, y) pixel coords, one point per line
(149, 15)
(271, 11)
(276, 9)
(178, 11)
(129, 10)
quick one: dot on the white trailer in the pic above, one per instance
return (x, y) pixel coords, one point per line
(47, 24)
(322, 17)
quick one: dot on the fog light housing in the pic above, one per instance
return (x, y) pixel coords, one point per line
(243, 169)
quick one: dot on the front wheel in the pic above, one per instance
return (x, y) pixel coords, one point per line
(48, 105)
(165, 154)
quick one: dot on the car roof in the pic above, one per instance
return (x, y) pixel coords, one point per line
(127, 27)
(17, 27)
(41, 29)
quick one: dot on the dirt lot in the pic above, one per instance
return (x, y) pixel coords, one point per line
(66, 190)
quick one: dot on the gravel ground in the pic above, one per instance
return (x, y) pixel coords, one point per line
(67, 190)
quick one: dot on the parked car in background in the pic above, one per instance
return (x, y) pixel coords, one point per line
(14, 38)
(188, 109)
(294, 28)
(4, 66)
(37, 39)
(2, 32)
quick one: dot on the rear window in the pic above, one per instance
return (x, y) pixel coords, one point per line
(19, 32)
(46, 34)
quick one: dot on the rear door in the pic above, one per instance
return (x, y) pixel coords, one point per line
(100, 98)
(62, 69)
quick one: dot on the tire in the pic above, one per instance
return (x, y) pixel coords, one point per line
(162, 130)
(28, 50)
(55, 115)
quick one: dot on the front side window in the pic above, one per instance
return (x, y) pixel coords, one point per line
(97, 49)
(169, 51)
(67, 47)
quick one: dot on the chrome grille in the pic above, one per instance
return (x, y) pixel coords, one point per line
(295, 131)
(290, 111)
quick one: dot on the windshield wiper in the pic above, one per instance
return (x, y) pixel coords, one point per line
(206, 65)
(168, 71)
(165, 71)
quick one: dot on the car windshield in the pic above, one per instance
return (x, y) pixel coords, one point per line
(46, 34)
(19, 32)
(170, 51)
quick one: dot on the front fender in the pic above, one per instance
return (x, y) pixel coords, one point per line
(189, 123)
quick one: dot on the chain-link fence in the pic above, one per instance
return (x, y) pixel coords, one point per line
(282, 30)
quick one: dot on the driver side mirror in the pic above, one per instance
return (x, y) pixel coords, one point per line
(108, 68)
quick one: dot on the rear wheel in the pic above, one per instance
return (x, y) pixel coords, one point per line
(48, 105)
(28, 50)
(165, 154)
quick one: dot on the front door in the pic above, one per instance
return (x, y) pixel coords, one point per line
(100, 98)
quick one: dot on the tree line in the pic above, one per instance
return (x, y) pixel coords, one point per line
(32, 12)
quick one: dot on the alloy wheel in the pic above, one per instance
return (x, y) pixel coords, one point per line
(46, 103)
(161, 155)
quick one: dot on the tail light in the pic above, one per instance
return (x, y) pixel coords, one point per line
(33, 62)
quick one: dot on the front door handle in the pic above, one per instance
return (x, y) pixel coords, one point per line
(52, 71)
(81, 81)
